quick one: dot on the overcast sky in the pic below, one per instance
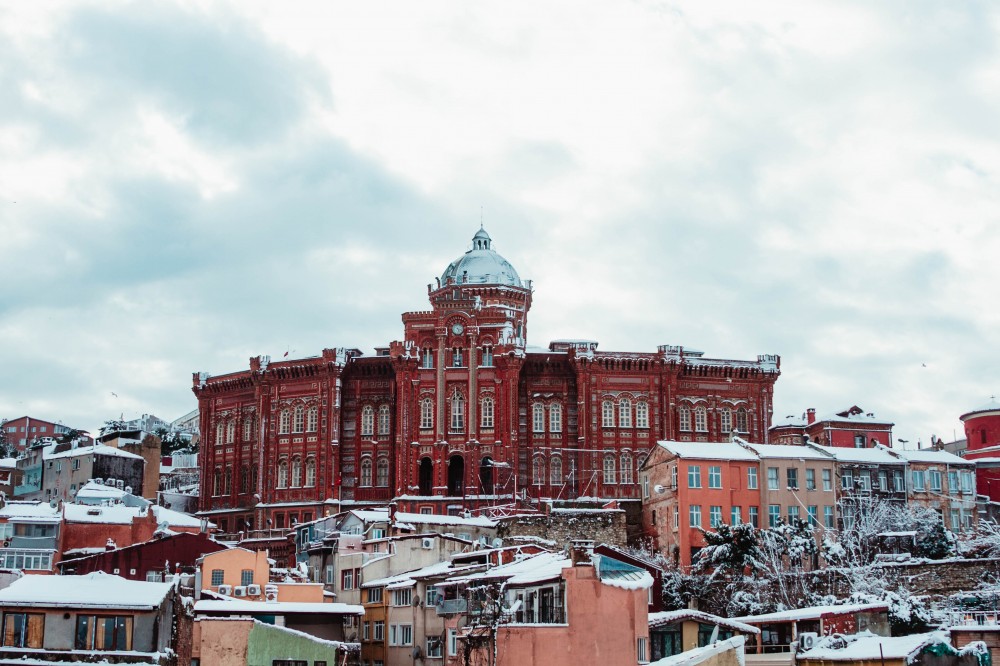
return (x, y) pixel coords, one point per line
(186, 185)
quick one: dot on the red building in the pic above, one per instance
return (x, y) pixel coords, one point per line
(147, 560)
(852, 428)
(22, 431)
(460, 413)
(982, 434)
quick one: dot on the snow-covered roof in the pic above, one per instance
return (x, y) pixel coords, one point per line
(93, 590)
(370, 515)
(96, 449)
(793, 451)
(276, 608)
(874, 455)
(534, 569)
(867, 645)
(929, 456)
(481, 265)
(669, 617)
(708, 450)
(435, 519)
(31, 510)
(8, 463)
(120, 514)
(407, 579)
(810, 613)
(699, 655)
(94, 490)
(991, 406)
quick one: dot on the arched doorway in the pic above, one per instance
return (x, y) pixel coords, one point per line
(456, 476)
(486, 476)
(426, 479)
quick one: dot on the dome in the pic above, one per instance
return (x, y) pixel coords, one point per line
(481, 265)
(991, 406)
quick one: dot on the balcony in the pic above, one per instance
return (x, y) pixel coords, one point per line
(973, 618)
(451, 606)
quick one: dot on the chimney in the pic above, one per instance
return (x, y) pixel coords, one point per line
(580, 551)
(110, 545)
(810, 416)
(392, 512)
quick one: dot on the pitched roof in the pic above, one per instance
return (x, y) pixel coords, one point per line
(669, 617)
(707, 450)
(93, 590)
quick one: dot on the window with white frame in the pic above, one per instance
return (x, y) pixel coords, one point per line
(382, 473)
(609, 469)
(827, 479)
(626, 468)
(310, 472)
(299, 422)
(426, 413)
(402, 597)
(694, 515)
(285, 422)
(725, 420)
(700, 419)
(741, 420)
(456, 357)
(607, 414)
(452, 642)
(642, 414)
(230, 431)
(640, 649)
(367, 421)
(365, 478)
(555, 417)
(714, 516)
(220, 432)
(296, 472)
(282, 473)
(624, 413)
(457, 412)
(684, 418)
(487, 360)
(694, 476)
(383, 420)
(715, 476)
(427, 358)
(538, 471)
(247, 428)
(555, 471)
(312, 419)
(751, 478)
(378, 630)
(375, 595)
(401, 634)
(433, 647)
(486, 413)
(538, 417)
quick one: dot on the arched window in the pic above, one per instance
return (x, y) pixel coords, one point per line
(426, 413)
(457, 412)
(538, 417)
(230, 431)
(555, 417)
(248, 428)
(626, 468)
(382, 473)
(310, 472)
(296, 472)
(642, 415)
(366, 472)
(486, 414)
(741, 420)
(684, 417)
(609, 469)
(253, 478)
(244, 480)
(312, 419)
(624, 413)
(367, 421)
(700, 419)
(555, 471)
(725, 420)
(285, 422)
(607, 414)
(217, 482)
(220, 432)
(283, 474)
(538, 471)
(427, 358)
(299, 423)
(227, 481)
(383, 420)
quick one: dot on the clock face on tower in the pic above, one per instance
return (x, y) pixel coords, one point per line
(457, 329)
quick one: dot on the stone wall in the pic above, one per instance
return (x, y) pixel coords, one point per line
(942, 577)
(561, 526)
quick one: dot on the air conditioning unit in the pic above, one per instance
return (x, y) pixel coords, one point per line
(427, 543)
(253, 590)
(240, 591)
(807, 640)
(226, 589)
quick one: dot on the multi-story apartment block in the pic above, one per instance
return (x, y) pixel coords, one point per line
(850, 428)
(943, 482)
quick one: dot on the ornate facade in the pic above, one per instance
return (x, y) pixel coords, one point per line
(461, 413)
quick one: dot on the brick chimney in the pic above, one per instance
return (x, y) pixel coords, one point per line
(810, 416)
(580, 551)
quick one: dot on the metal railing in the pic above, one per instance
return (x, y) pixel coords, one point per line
(973, 618)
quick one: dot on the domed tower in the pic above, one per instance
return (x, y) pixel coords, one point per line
(982, 436)
(457, 375)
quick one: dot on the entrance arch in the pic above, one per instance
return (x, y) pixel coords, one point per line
(486, 476)
(456, 476)
(426, 478)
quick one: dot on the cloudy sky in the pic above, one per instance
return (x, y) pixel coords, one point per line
(185, 185)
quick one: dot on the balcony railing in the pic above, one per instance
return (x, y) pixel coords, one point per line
(973, 618)
(451, 606)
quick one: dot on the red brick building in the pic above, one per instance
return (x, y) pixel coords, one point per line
(460, 413)
(23, 430)
(852, 428)
(982, 434)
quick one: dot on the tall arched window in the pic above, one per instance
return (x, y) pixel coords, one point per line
(700, 419)
(244, 479)
(217, 482)
(626, 468)
(486, 413)
(607, 414)
(285, 422)
(366, 472)
(555, 471)
(382, 473)
(457, 412)
(299, 424)
(538, 417)
(312, 419)
(230, 431)
(283, 474)
(642, 415)
(426, 413)
(684, 418)
(725, 420)
(220, 432)
(253, 478)
(367, 421)
(624, 413)
(227, 481)
(741, 420)
(609, 469)
(555, 417)
(538, 471)
(383, 420)
(310, 472)
(296, 472)
(248, 428)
